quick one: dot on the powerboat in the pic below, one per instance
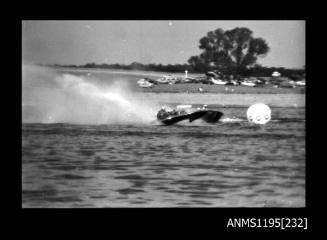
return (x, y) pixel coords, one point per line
(169, 116)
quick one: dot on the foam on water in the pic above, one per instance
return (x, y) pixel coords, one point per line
(50, 97)
(231, 120)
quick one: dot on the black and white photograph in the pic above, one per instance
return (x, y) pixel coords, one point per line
(163, 114)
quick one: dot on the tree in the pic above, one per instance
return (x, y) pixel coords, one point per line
(233, 50)
(198, 64)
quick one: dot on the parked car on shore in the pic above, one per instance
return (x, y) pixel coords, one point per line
(248, 83)
(166, 79)
(144, 83)
(232, 83)
(287, 84)
(300, 83)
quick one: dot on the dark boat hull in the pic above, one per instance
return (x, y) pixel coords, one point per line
(209, 116)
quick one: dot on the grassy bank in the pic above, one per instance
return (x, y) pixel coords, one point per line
(193, 88)
(242, 100)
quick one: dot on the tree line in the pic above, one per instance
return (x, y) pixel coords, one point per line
(255, 71)
(231, 52)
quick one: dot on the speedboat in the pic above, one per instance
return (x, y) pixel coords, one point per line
(170, 116)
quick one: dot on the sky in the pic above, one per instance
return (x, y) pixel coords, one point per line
(159, 42)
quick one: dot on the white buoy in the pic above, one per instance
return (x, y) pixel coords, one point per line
(259, 113)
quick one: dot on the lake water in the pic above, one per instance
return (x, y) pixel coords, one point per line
(144, 164)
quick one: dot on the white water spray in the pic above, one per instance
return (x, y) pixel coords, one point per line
(50, 97)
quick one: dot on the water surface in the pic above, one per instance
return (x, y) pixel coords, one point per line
(228, 164)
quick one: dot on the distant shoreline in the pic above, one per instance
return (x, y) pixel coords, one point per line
(186, 88)
(189, 88)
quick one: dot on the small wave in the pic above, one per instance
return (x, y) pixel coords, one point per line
(288, 120)
(228, 120)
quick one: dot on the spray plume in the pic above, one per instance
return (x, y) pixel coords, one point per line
(51, 97)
